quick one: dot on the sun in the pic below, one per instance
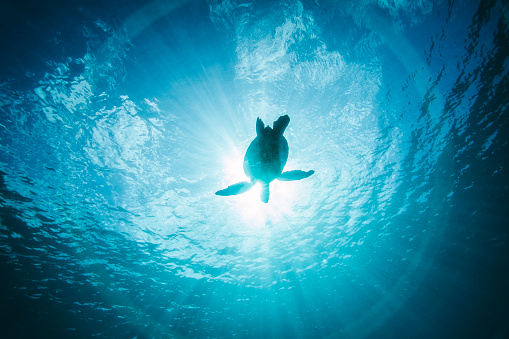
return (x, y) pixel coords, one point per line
(255, 213)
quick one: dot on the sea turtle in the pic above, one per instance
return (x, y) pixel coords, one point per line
(265, 159)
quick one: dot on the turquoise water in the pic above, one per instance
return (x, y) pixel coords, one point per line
(118, 124)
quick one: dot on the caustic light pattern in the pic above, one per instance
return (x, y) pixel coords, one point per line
(118, 123)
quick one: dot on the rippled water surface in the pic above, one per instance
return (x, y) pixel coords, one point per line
(119, 122)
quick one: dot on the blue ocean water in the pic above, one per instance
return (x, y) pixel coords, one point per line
(120, 121)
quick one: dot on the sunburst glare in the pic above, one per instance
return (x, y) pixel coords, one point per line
(255, 213)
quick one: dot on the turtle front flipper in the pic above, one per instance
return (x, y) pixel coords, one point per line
(235, 189)
(295, 175)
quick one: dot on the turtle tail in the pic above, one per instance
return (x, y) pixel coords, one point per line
(265, 192)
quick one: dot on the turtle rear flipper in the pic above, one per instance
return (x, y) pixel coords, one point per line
(280, 125)
(235, 189)
(295, 175)
(259, 127)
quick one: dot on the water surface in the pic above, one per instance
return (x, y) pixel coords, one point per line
(118, 124)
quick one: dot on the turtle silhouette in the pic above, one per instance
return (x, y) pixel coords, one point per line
(265, 159)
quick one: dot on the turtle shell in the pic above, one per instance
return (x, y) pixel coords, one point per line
(266, 156)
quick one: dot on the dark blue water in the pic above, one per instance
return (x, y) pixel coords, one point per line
(119, 121)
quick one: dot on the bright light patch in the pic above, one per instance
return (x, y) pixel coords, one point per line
(233, 167)
(253, 211)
